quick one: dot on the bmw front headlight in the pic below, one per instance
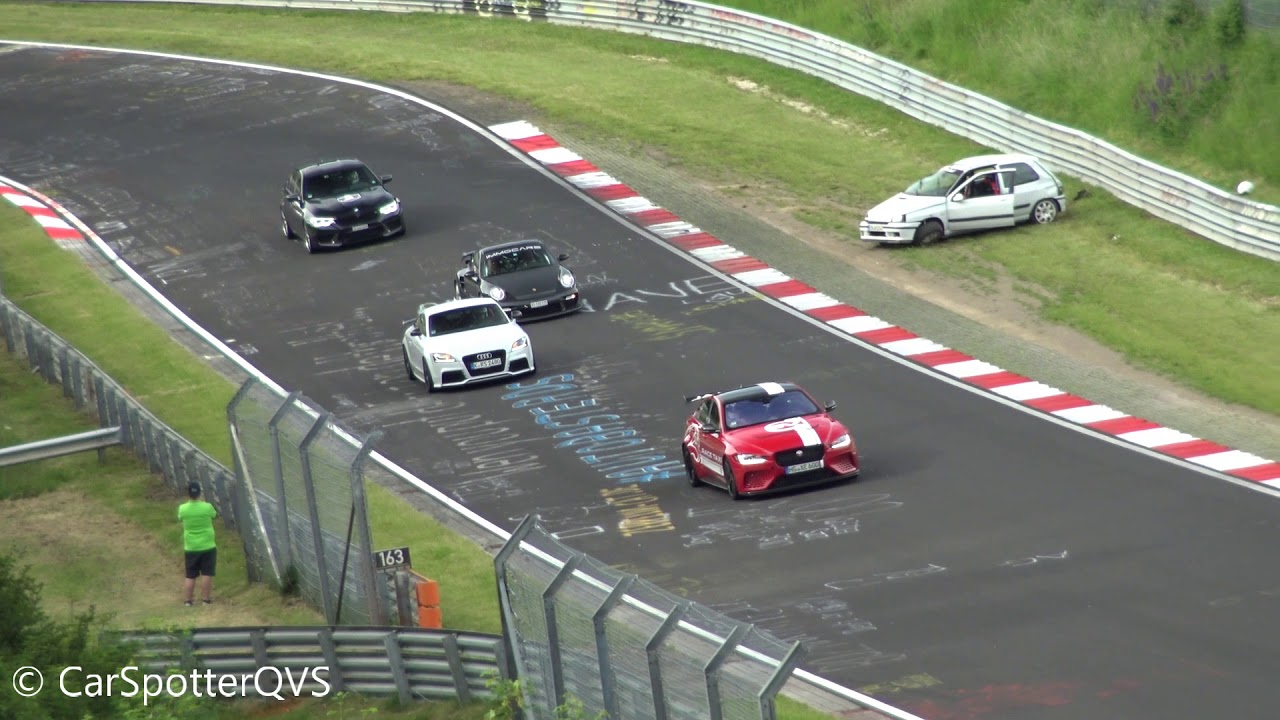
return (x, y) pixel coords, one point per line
(442, 357)
(390, 208)
(841, 442)
(566, 278)
(497, 293)
(318, 222)
(522, 342)
(748, 459)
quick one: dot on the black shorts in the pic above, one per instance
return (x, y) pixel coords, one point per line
(202, 563)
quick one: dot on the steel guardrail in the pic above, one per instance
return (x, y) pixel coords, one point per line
(59, 446)
(1193, 204)
(408, 663)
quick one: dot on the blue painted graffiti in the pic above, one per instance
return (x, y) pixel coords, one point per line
(600, 438)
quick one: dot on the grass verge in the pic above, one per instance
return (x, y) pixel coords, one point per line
(1203, 315)
(57, 289)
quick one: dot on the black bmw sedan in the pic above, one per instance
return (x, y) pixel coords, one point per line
(338, 203)
(521, 276)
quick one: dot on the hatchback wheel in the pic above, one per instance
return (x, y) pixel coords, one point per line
(1045, 211)
(408, 367)
(928, 233)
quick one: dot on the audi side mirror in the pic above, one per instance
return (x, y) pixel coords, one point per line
(415, 333)
(386, 179)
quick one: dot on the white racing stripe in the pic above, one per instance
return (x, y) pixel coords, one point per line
(772, 388)
(808, 436)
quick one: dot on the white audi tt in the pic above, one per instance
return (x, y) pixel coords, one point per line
(465, 341)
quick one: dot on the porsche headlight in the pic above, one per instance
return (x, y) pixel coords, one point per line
(389, 208)
(442, 357)
(318, 222)
(497, 293)
(748, 459)
(522, 342)
(566, 278)
(841, 442)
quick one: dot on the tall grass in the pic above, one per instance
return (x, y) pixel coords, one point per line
(1090, 64)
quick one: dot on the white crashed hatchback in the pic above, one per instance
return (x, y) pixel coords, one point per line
(971, 195)
(465, 341)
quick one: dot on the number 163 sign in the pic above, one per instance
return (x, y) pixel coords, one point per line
(393, 558)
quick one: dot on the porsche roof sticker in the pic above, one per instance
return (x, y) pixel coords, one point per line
(517, 248)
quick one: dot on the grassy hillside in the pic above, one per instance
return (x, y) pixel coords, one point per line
(1192, 90)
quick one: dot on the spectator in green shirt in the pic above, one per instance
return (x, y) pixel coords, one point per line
(196, 517)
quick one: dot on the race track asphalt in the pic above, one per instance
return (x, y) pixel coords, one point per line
(987, 564)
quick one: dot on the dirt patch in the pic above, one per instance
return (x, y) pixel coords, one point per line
(85, 554)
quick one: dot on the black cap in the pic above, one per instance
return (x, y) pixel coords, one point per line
(194, 490)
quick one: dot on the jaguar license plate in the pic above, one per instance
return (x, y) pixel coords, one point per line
(482, 364)
(804, 467)
(358, 228)
(538, 304)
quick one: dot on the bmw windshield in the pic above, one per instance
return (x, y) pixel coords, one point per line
(754, 411)
(463, 319)
(336, 183)
(936, 185)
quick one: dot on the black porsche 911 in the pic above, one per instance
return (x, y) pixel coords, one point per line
(338, 203)
(521, 276)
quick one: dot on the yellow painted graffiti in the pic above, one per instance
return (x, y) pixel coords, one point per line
(639, 510)
(657, 328)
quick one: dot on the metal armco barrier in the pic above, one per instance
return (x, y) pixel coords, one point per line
(98, 440)
(1220, 216)
(410, 664)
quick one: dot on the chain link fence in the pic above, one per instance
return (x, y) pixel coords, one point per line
(582, 631)
(304, 487)
(166, 453)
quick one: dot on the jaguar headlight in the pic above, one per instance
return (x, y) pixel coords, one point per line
(566, 278)
(748, 459)
(442, 357)
(497, 293)
(841, 442)
(390, 208)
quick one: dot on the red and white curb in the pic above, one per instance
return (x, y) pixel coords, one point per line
(54, 225)
(770, 282)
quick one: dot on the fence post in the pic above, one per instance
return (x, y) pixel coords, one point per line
(6, 318)
(77, 381)
(258, 638)
(404, 610)
(392, 643)
(282, 503)
(553, 633)
(104, 414)
(712, 670)
(515, 664)
(777, 680)
(456, 667)
(313, 512)
(598, 620)
(359, 503)
(651, 650)
(330, 652)
(64, 369)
